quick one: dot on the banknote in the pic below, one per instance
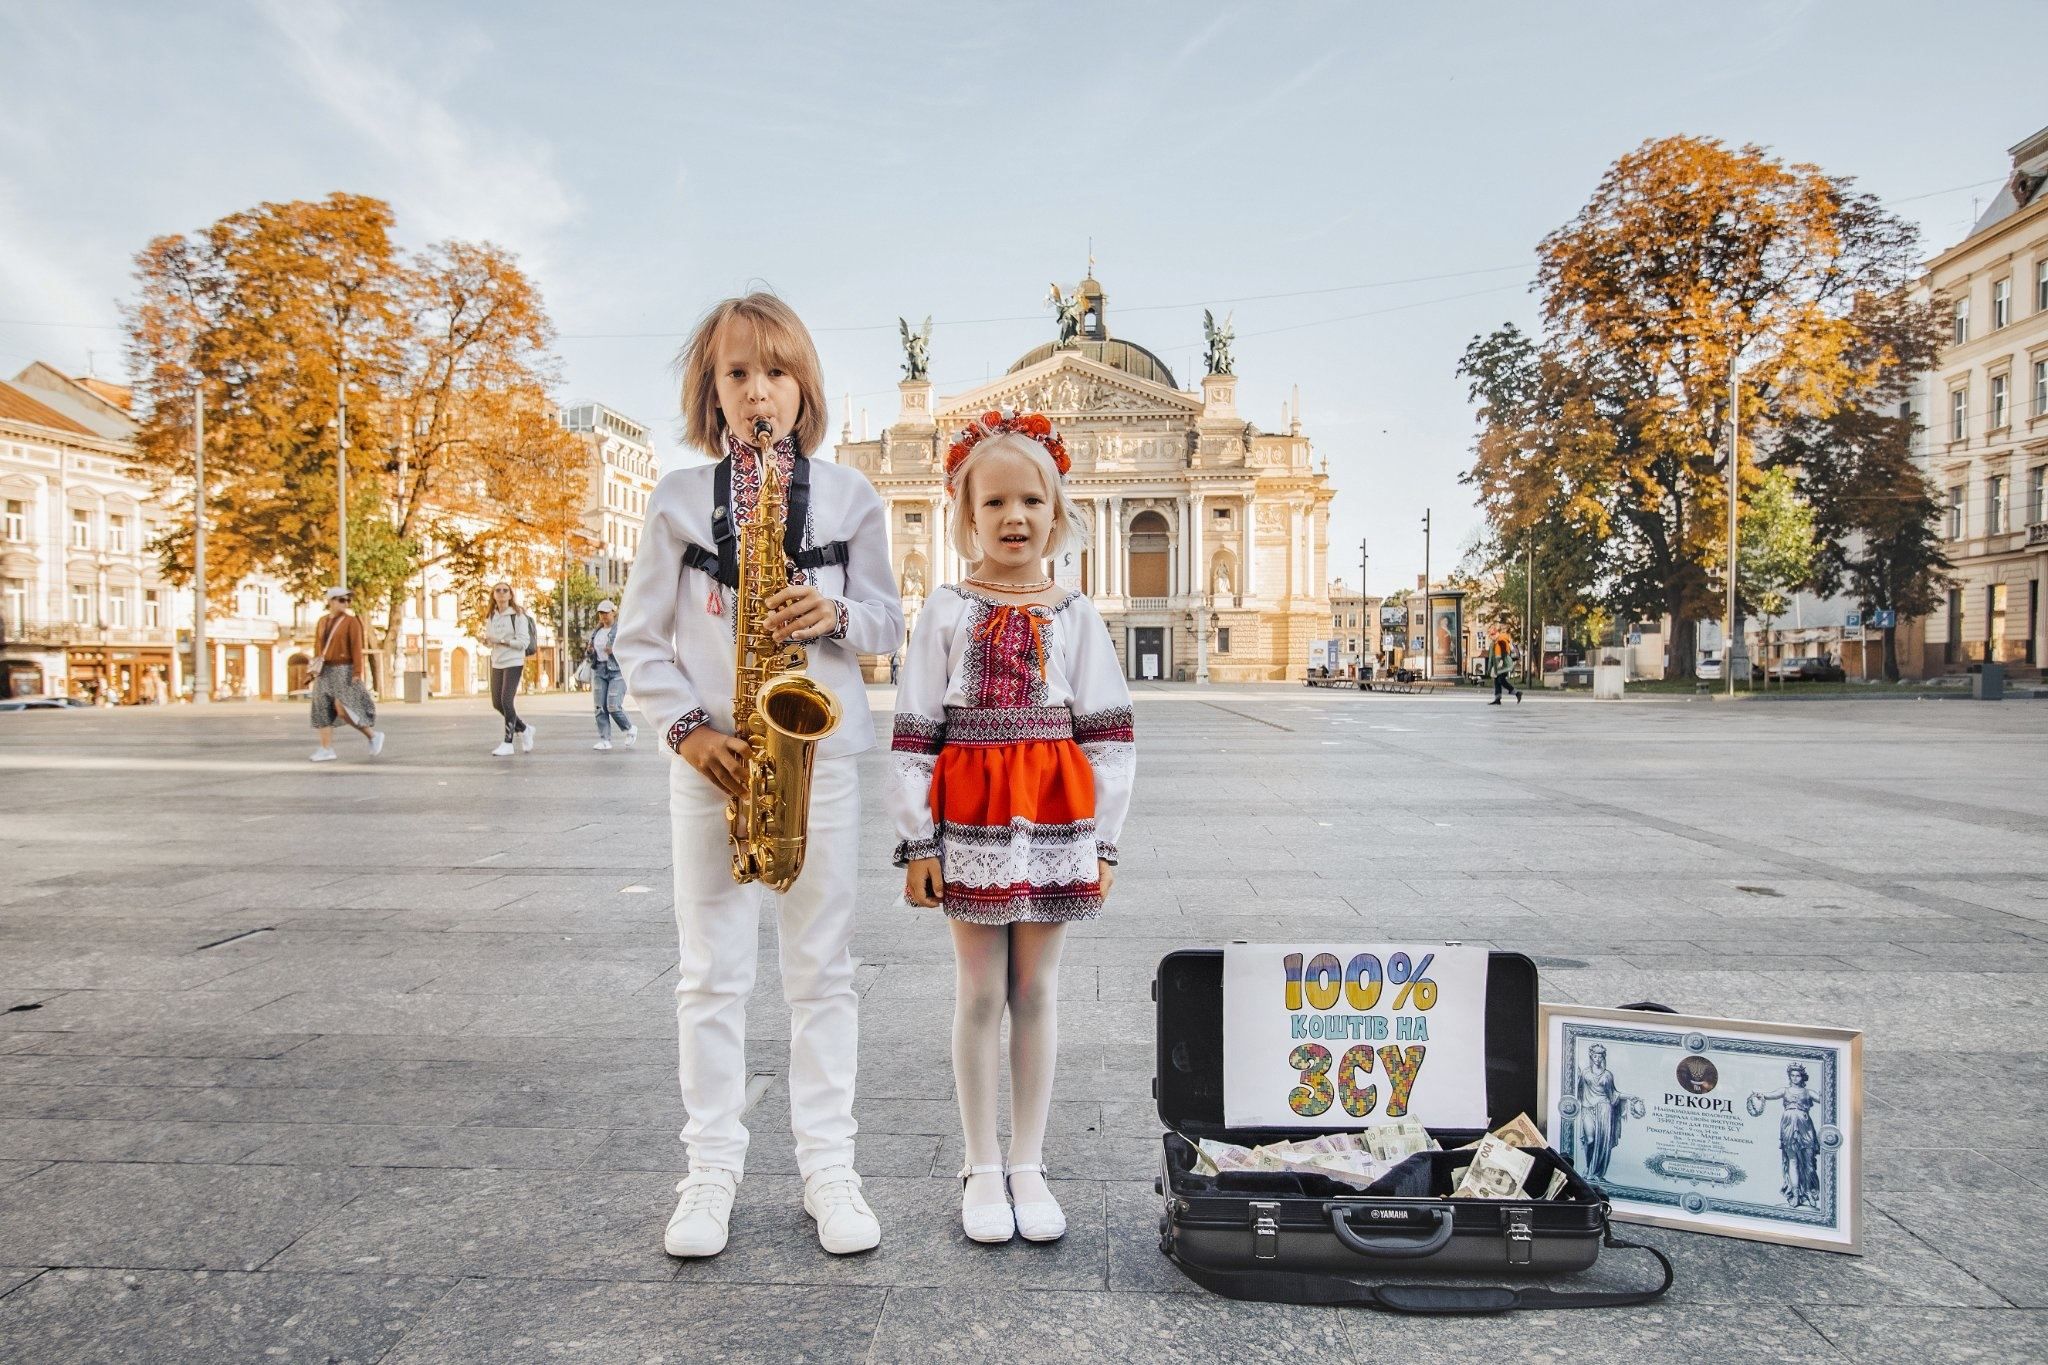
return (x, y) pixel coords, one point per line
(1398, 1140)
(1557, 1180)
(1519, 1131)
(1356, 1169)
(1497, 1171)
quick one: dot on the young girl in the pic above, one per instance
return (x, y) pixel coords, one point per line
(1014, 763)
(751, 361)
(508, 631)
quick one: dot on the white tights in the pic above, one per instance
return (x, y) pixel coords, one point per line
(1016, 967)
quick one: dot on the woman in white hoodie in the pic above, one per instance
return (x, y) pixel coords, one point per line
(510, 634)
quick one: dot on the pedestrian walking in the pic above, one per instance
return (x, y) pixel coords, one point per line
(1013, 760)
(751, 361)
(1500, 661)
(339, 663)
(513, 640)
(607, 679)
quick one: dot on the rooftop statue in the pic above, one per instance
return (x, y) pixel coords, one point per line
(1219, 338)
(916, 349)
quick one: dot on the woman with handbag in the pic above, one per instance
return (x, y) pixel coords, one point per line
(607, 680)
(337, 688)
(511, 635)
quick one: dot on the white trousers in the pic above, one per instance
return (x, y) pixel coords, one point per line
(718, 925)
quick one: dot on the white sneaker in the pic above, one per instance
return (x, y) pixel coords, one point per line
(603, 745)
(698, 1226)
(376, 743)
(324, 755)
(632, 736)
(1042, 1220)
(526, 739)
(845, 1222)
(503, 750)
(991, 1223)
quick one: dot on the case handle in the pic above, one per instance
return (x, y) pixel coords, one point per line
(1390, 1246)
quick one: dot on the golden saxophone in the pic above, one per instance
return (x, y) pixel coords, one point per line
(777, 709)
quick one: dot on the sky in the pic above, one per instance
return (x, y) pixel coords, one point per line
(1361, 186)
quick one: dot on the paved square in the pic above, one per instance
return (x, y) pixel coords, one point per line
(375, 1060)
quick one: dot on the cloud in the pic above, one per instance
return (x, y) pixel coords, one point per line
(446, 176)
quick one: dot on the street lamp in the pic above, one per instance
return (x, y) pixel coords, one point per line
(202, 662)
(1428, 621)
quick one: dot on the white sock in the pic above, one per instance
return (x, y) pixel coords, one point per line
(1034, 991)
(980, 984)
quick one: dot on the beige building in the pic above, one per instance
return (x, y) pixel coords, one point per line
(86, 610)
(1354, 624)
(622, 474)
(1206, 544)
(1985, 413)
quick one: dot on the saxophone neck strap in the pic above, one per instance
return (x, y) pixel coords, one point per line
(722, 563)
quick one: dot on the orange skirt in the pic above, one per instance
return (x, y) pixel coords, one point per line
(1015, 825)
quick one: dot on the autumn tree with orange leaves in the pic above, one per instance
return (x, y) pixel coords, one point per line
(1608, 432)
(455, 458)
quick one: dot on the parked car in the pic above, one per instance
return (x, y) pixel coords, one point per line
(1709, 669)
(1807, 668)
(43, 704)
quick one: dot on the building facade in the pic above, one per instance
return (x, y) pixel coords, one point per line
(1354, 625)
(1206, 540)
(86, 609)
(622, 474)
(1984, 442)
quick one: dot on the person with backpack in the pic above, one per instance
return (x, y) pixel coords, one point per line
(513, 639)
(607, 680)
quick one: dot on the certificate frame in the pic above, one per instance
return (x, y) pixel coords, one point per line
(1697, 1190)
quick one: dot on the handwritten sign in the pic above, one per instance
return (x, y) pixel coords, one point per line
(1336, 1036)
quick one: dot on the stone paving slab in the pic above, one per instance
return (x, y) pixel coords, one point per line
(120, 1317)
(409, 1094)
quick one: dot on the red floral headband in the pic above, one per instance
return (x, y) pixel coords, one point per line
(1035, 425)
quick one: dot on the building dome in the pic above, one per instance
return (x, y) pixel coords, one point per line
(1127, 356)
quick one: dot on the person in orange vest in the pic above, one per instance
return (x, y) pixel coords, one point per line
(1500, 662)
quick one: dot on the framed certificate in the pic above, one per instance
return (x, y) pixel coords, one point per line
(1711, 1125)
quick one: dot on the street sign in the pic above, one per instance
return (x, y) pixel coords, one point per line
(1553, 637)
(1852, 626)
(1884, 620)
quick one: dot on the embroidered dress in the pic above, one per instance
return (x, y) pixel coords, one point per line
(1013, 755)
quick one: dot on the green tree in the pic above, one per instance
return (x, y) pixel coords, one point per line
(1876, 515)
(584, 595)
(1775, 548)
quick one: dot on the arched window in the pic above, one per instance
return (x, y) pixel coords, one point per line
(1148, 553)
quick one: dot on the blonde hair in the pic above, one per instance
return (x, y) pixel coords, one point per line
(782, 341)
(1066, 521)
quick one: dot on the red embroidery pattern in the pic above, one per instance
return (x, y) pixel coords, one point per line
(1006, 661)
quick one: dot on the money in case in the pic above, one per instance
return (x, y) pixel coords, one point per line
(1290, 1236)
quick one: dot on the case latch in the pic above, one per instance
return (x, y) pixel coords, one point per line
(1521, 1236)
(1265, 1232)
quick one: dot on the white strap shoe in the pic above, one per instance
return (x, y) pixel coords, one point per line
(846, 1224)
(991, 1223)
(698, 1226)
(1042, 1220)
(526, 740)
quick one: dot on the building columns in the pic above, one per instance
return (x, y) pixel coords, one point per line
(1247, 578)
(1116, 546)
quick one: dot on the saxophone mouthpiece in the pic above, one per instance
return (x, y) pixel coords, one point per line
(764, 430)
